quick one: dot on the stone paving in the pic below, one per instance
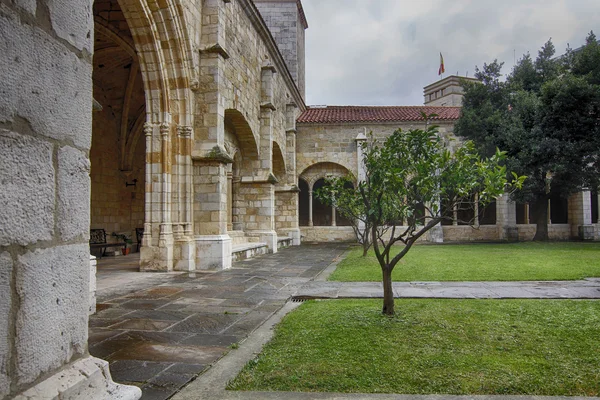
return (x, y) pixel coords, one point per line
(159, 331)
(583, 289)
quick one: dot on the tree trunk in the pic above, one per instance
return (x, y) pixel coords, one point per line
(366, 244)
(388, 293)
(540, 216)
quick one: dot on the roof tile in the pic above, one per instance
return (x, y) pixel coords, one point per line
(341, 114)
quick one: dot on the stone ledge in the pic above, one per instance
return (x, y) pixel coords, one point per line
(248, 250)
(88, 378)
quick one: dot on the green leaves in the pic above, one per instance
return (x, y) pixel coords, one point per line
(545, 116)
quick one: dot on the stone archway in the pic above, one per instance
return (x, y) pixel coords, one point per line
(139, 29)
(117, 155)
(314, 176)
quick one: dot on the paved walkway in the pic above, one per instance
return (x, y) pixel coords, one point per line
(160, 331)
(584, 289)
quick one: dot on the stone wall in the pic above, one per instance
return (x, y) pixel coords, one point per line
(327, 234)
(45, 134)
(286, 23)
(336, 143)
(467, 233)
(246, 100)
(555, 231)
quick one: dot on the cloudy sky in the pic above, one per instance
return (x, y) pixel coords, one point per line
(383, 52)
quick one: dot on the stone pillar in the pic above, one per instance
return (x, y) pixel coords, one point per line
(435, 234)
(506, 218)
(310, 208)
(258, 191)
(360, 166)
(229, 201)
(45, 138)
(476, 210)
(259, 214)
(213, 244)
(287, 219)
(184, 251)
(333, 223)
(580, 215)
(156, 253)
(92, 291)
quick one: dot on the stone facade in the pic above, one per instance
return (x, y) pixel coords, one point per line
(287, 23)
(45, 136)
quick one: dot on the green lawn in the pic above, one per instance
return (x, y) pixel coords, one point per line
(528, 347)
(480, 262)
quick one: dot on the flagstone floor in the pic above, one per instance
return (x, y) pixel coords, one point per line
(160, 330)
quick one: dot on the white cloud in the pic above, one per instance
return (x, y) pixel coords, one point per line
(385, 51)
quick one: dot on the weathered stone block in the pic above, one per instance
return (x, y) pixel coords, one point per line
(58, 103)
(73, 24)
(26, 189)
(28, 5)
(73, 193)
(51, 324)
(6, 266)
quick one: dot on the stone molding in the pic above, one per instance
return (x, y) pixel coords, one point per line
(215, 49)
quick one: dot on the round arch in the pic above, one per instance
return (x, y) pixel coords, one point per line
(322, 170)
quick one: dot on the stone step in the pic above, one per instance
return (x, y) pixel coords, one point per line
(283, 242)
(247, 250)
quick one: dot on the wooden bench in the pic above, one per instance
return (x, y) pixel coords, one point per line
(98, 241)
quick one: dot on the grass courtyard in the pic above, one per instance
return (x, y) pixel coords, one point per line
(480, 262)
(529, 347)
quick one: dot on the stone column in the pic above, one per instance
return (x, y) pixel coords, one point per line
(184, 249)
(213, 244)
(435, 234)
(156, 253)
(360, 166)
(258, 191)
(286, 193)
(45, 138)
(333, 223)
(506, 218)
(259, 217)
(476, 210)
(580, 215)
(229, 201)
(310, 208)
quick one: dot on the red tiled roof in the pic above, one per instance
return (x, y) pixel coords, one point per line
(340, 114)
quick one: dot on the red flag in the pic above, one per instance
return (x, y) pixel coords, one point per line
(442, 69)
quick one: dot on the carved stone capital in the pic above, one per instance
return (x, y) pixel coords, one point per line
(148, 129)
(184, 131)
(164, 130)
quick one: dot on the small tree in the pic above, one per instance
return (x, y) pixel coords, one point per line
(412, 171)
(339, 192)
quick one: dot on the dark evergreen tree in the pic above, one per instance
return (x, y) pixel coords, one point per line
(546, 116)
